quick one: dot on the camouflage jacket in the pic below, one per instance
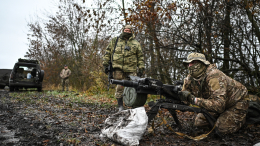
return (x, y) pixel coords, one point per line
(128, 61)
(65, 73)
(216, 92)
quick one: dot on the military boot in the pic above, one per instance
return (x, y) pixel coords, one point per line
(120, 104)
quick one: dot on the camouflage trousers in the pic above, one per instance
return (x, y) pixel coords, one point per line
(65, 82)
(120, 75)
(229, 121)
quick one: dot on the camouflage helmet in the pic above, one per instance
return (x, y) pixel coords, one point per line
(196, 56)
(129, 27)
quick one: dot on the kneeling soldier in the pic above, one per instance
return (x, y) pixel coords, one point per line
(209, 88)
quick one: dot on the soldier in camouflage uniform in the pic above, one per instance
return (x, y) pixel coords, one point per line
(64, 74)
(222, 96)
(127, 57)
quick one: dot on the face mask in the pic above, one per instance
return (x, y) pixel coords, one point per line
(197, 70)
(126, 35)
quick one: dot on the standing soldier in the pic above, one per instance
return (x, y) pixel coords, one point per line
(209, 88)
(64, 74)
(126, 55)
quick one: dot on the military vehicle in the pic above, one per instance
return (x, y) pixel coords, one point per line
(26, 74)
(4, 77)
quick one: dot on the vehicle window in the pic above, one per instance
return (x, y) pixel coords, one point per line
(26, 72)
(26, 68)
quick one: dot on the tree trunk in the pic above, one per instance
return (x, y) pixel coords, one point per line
(226, 30)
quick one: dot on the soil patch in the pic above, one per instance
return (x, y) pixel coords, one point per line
(39, 118)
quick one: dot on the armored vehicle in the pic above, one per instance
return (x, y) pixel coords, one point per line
(26, 74)
(4, 77)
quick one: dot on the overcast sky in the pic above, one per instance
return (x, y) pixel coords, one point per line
(14, 16)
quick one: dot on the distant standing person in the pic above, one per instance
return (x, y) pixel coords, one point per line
(64, 74)
(126, 55)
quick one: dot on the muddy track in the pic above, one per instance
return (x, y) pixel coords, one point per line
(24, 123)
(42, 119)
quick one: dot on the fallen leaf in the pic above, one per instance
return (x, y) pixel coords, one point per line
(45, 141)
(150, 130)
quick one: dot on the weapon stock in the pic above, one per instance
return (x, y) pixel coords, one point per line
(110, 73)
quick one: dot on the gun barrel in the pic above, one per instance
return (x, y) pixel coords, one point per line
(124, 83)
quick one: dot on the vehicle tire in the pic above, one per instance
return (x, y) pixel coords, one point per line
(39, 89)
(11, 88)
(41, 75)
(132, 99)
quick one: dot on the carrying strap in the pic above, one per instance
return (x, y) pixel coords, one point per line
(196, 138)
(114, 50)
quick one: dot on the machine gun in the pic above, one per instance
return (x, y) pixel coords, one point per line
(140, 87)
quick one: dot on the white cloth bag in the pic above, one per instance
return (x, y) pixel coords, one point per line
(126, 127)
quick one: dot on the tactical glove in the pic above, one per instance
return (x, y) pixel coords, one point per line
(186, 96)
(140, 72)
(105, 69)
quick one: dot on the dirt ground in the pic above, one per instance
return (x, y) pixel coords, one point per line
(43, 119)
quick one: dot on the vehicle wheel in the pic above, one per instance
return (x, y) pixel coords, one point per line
(11, 88)
(39, 89)
(41, 75)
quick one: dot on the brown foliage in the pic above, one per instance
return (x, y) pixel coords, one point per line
(226, 31)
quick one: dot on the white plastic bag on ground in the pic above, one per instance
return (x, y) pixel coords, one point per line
(127, 126)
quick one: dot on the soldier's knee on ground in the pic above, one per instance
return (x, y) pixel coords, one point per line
(225, 128)
(229, 126)
(200, 121)
(231, 120)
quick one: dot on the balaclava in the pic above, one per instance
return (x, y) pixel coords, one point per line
(197, 70)
(125, 34)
